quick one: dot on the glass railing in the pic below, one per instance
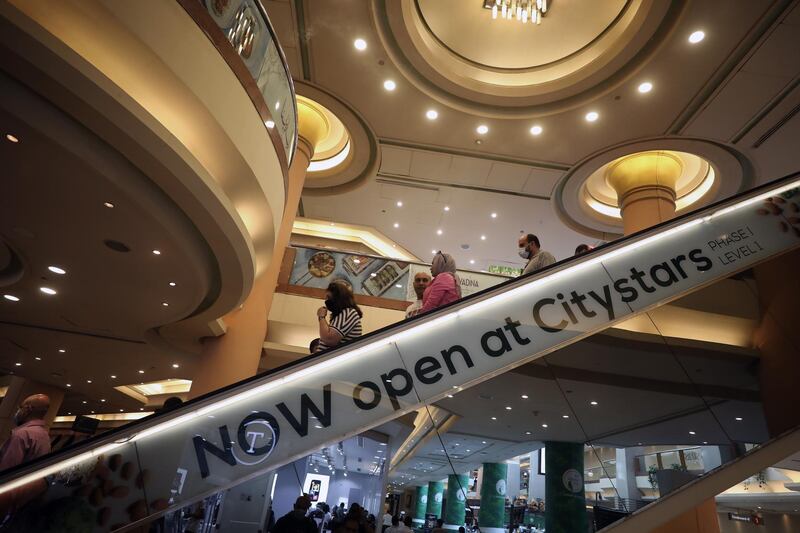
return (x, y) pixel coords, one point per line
(370, 276)
(247, 28)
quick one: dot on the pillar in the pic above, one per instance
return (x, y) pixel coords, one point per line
(565, 500)
(456, 498)
(645, 185)
(236, 354)
(420, 505)
(625, 482)
(492, 515)
(435, 497)
(20, 388)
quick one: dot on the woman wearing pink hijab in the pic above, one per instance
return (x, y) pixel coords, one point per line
(445, 287)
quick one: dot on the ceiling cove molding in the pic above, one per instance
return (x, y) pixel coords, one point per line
(365, 153)
(735, 170)
(659, 28)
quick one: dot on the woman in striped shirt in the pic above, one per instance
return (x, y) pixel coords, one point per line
(345, 324)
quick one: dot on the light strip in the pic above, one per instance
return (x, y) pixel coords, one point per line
(697, 193)
(316, 367)
(325, 164)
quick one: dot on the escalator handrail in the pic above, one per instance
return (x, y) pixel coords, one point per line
(132, 429)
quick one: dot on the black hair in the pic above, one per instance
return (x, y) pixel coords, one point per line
(530, 237)
(581, 249)
(312, 346)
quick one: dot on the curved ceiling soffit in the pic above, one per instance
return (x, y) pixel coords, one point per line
(475, 102)
(137, 140)
(734, 169)
(365, 152)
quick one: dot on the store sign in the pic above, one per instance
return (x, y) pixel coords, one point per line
(266, 424)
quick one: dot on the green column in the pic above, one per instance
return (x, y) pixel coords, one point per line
(491, 516)
(420, 504)
(456, 498)
(435, 496)
(565, 501)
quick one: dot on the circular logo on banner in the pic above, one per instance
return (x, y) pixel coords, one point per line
(572, 480)
(500, 487)
(461, 495)
(437, 497)
(424, 498)
(257, 437)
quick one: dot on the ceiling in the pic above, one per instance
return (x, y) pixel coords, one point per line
(737, 89)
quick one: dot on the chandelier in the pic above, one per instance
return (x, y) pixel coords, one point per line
(522, 10)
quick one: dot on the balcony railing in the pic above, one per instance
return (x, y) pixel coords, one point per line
(242, 32)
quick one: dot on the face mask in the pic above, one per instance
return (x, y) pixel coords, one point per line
(524, 253)
(330, 305)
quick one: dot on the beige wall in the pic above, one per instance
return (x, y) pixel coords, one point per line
(773, 523)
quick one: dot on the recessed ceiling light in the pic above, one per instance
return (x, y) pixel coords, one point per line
(103, 400)
(593, 402)
(447, 208)
(697, 36)
(11, 138)
(360, 44)
(399, 286)
(591, 116)
(56, 270)
(38, 358)
(396, 224)
(62, 350)
(108, 205)
(120, 410)
(399, 203)
(175, 365)
(17, 364)
(483, 129)
(494, 418)
(527, 432)
(544, 425)
(11, 297)
(141, 371)
(269, 124)
(564, 416)
(738, 418)
(508, 407)
(471, 261)
(536, 130)
(156, 252)
(69, 384)
(692, 433)
(438, 232)
(113, 376)
(47, 290)
(483, 237)
(84, 401)
(494, 215)
(389, 85)
(432, 114)
(645, 87)
(524, 396)
(172, 283)
(88, 381)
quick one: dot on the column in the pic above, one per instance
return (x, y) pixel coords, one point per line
(20, 388)
(420, 505)
(435, 497)
(625, 482)
(645, 187)
(456, 498)
(565, 501)
(235, 355)
(491, 517)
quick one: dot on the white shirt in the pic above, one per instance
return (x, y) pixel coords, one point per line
(387, 519)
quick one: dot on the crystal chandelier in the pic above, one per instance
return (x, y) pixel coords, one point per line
(521, 10)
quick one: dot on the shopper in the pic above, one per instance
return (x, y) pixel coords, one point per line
(395, 526)
(407, 522)
(439, 526)
(345, 324)
(30, 438)
(445, 287)
(387, 517)
(296, 521)
(530, 249)
(421, 282)
(582, 249)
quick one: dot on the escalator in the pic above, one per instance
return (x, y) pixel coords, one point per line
(237, 433)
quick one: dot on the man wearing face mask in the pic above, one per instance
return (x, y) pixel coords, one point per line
(529, 249)
(30, 438)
